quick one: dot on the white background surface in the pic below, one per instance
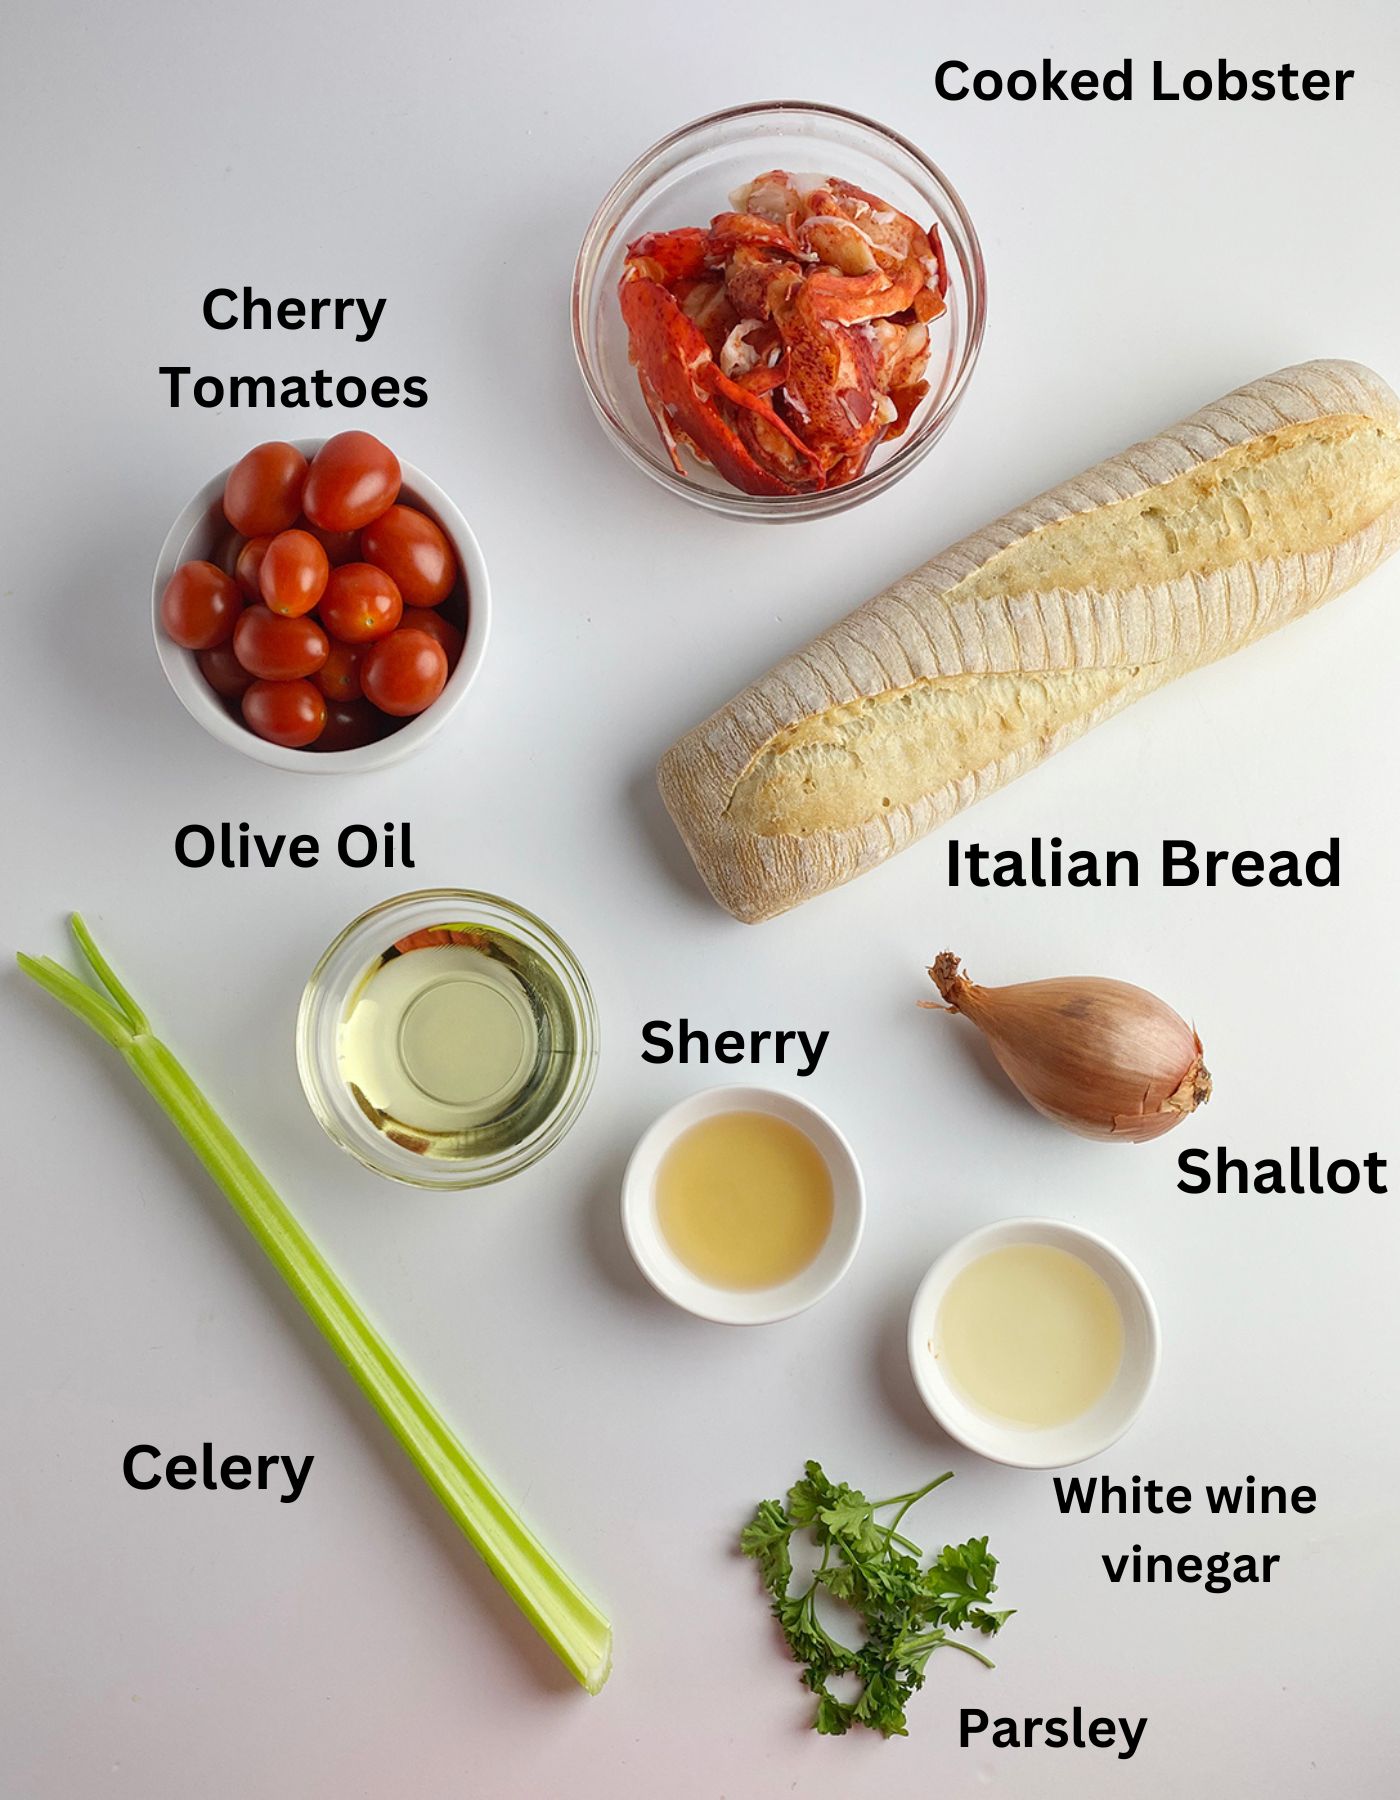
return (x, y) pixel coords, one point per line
(1142, 259)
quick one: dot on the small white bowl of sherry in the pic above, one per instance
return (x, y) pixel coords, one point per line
(743, 1205)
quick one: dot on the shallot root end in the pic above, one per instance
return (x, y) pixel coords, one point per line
(1195, 1087)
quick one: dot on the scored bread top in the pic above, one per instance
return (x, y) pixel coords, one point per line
(1010, 644)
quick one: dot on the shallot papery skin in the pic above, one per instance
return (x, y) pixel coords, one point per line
(1102, 1058)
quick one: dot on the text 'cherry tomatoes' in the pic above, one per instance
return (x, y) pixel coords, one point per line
(411, 547)
(353, 478)
(360, 603)
(278, 649)
(290, 713)
(404, 672)
(262, 495)
(339, 675)
(293, 574)
(200, 606)
(223, 671)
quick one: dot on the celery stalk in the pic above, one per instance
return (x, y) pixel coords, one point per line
(568, 1622)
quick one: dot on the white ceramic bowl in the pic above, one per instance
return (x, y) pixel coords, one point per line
(199, 531)
(748, 1306)
(1023, 1446)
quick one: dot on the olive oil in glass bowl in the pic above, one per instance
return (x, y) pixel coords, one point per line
(447, 1039)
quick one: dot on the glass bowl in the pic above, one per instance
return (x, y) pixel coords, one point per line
(685, 180)
(566, 1049)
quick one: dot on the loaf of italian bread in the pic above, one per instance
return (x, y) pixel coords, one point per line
(1007, 647)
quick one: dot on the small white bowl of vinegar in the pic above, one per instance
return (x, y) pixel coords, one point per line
(743, 1205)
(1033, 1343)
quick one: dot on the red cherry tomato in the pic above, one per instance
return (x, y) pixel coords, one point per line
(249, 566)
(200, 606)
(404, 672)
(262, 495)
(351, 723)
(413, 548)
(360, 603)
(223, 671)
(278, 649)
(339, 675)
(339, 546)
(294, 573)
(291, 713)
(423, 618)
(352, 479)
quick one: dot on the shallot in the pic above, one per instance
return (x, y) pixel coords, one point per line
(1103, 1058)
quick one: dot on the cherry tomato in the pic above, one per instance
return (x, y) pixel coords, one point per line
(423, 618)
(200, 606)
(278, 649)
(404, 672)
(249, 566)
(339, 675)
(293, 574)
(360, 603)
(352, 479)
(223, 671)
(339, 546)
(262, 495)
(413, 548)
(292, 713)
(350, 723)
(227, 554)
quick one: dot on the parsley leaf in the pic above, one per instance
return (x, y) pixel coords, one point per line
(908, 1609)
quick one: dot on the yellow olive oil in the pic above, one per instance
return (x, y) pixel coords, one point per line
(1029, 1333)
(456, 1041)
(744, 1200)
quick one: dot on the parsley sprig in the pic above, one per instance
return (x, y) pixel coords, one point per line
(908, 1609)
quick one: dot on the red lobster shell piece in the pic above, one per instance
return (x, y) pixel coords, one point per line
(673, 256)
(757, 284)
(707, 302)
(788, 340)
(684, 386)
(830, 381)
(730, 230)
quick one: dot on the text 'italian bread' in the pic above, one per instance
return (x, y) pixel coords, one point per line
(1008, 646)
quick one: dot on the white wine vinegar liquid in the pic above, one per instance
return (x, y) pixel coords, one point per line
(456, 1041)
(1030, 1334)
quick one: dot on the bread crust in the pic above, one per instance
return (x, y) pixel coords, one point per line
(1012, 643)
